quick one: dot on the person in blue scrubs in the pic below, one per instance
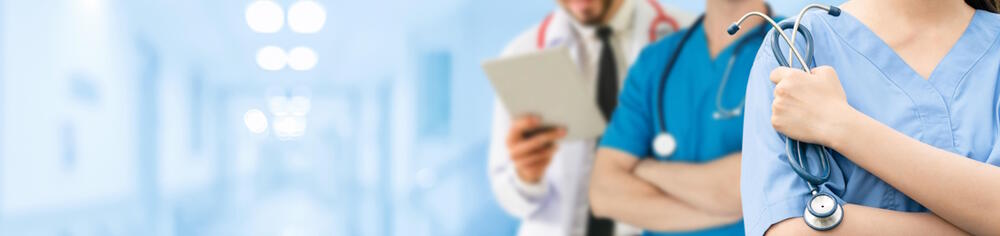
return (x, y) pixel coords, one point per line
(694, 190)
(906, 96)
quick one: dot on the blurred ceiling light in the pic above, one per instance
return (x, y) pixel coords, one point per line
(299, 106)
(278, 105)
(286, 127)
(255, 120)
(271, 58)
(306, 17)
(264, 16)
(302, 58)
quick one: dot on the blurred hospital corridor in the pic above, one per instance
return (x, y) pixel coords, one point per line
(253, 117)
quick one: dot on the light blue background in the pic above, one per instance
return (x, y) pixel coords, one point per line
(126, 118)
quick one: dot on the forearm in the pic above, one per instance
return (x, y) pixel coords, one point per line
(863, 220)
(960, 190)
(617, 194)
(713, 186)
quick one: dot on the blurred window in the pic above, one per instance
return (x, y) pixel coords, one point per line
(434, 94)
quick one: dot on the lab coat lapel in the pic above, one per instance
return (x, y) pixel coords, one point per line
(560, 34)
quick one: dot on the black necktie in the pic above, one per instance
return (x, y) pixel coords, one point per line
(607, 99)
(607, 75)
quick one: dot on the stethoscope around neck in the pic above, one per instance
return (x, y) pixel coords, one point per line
(822, 212)
(664, 144)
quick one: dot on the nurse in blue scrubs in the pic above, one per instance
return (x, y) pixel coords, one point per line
(906, 95)
(688, 88)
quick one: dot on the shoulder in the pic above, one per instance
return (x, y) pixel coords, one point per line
(817, 24)
(989, 16)
(654, 8)
(815, 21)
(524, 42)
(661, 19)
(657, 53)
(989, 20)
(652, 59)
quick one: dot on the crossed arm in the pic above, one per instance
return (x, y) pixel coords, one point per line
(712, 186)
(863, 220)
(618, 192)
(961, 192)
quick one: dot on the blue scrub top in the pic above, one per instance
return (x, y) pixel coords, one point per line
(689, 103)
(955, 110)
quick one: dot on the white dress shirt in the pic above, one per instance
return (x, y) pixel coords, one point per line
(558, 204)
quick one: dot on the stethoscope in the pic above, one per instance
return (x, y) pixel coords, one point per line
(665, 144)
(822, 212)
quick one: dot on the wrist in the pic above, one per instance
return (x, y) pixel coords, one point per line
(652, 170)
(526, 178)
(644, 169)
(532, 190)
(843, 128)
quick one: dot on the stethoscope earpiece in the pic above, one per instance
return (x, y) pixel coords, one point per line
(834, 11)
(733, 29)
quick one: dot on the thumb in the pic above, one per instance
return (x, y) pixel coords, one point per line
(782, 73)
(826, 72)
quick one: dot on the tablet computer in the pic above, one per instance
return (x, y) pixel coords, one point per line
(549, 85)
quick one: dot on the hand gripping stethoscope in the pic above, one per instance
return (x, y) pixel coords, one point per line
(664, 143)
(822, 212)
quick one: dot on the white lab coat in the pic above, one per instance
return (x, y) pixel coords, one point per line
(558, 205)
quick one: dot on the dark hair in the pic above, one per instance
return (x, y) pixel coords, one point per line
(986, 5)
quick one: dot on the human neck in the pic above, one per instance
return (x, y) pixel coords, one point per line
(612, 11)
(921, 32)
(911, 12)
(720, 13)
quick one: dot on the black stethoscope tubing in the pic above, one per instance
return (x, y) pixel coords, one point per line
(796, 150)
(661, 90)
(823, 211)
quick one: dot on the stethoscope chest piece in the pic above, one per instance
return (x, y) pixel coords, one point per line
(664, 144)
(823, 212)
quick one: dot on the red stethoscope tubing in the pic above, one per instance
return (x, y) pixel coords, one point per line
(661, 18)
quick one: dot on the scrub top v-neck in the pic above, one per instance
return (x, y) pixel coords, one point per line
(955, 109)
(688, 100)
(688, 103)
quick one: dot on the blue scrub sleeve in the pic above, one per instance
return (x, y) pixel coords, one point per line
(770, 190)
(632, 128)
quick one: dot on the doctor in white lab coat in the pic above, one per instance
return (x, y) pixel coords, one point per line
(544, 182)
